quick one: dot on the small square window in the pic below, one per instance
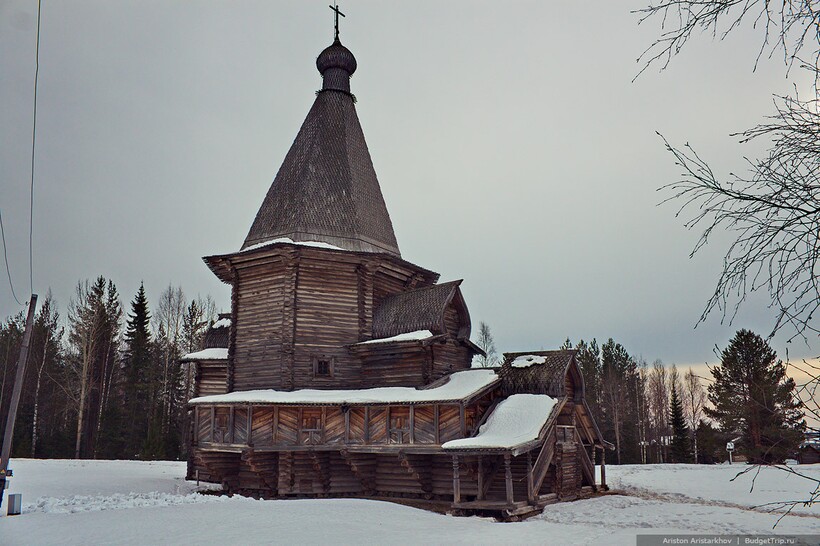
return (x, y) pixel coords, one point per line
(323, 366)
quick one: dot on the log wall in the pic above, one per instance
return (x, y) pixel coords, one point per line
(402, 368)
(211, 378)
(260, 293)
(327, 319)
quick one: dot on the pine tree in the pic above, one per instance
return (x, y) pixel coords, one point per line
(589, 359)
(753, 398)
(711, 443)
(679, 448)
(137, 371)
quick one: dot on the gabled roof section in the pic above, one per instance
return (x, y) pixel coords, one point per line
(218, 334)
(544, 371)
(517, 420)
(419, 309)
(326, 189)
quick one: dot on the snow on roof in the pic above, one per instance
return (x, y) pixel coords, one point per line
(525, 361)
(514, 421)
(208, 354)
(418, 335)
(222, 323)
(460, 385)
(317, 244)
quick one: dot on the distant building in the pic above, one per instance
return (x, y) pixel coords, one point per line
(809, 452)
(344, 370)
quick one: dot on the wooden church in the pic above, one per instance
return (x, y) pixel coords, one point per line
(345, 370)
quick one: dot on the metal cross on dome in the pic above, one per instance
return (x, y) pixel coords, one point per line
(336, 10)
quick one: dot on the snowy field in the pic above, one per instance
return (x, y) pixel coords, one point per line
(128, 502)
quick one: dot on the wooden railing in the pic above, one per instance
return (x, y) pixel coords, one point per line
(587, 466)
(542, 463)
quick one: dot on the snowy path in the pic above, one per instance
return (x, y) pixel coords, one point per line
(130, 503)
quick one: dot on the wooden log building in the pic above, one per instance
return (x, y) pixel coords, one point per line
(344, 370)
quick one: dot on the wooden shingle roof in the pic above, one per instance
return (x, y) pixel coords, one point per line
(547, 376)
(326, 189)
(218, 337)
(419, 309)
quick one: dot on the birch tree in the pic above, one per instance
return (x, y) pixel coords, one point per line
(694, 400)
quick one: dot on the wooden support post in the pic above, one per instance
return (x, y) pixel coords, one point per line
(274, 436)
(195, 435)
(603, 468)
(346, 411)
(367, 424)
(231, 425)
(531, 494)
(299, 426)
(412, 425)
(456, 481)
(323, 424)
(508, 478)
(213, 422)
(250, 425)
(480, 495)
(11, 418)
(436, 424)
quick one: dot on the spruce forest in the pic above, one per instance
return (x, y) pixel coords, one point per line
(103, 381)
(106, 382)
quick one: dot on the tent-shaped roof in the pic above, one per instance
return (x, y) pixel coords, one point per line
(326, 189)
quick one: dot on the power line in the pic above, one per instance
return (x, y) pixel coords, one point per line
(33, 150)
(6, 257)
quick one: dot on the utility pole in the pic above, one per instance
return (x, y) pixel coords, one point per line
(15, 397)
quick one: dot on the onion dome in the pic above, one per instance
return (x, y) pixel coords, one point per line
(336, 64)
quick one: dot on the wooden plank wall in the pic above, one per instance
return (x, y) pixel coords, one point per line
(424, 425)
(357, 429)
(403, 368)
(262, 426)
(327, 319)
(258, 340)
(240, 425)
(451, 356)
(287, 430)
(449, 423)
(211, 378)
(385, 283)
(283, 426)
(377, 426)
(203, 420)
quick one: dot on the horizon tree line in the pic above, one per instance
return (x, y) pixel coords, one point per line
(101, 382)
(656, 414)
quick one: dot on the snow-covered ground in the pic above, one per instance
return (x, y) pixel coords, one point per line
(128, 502)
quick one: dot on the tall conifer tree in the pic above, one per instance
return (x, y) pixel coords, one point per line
(137, 371)
(753, 398)
(679, 448)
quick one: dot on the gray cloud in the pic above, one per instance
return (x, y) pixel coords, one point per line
(512, 147)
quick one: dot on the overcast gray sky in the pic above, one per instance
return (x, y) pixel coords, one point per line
(512, 147)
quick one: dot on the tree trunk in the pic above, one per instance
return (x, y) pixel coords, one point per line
(37, 400)
(81, 409)
(103, 397)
